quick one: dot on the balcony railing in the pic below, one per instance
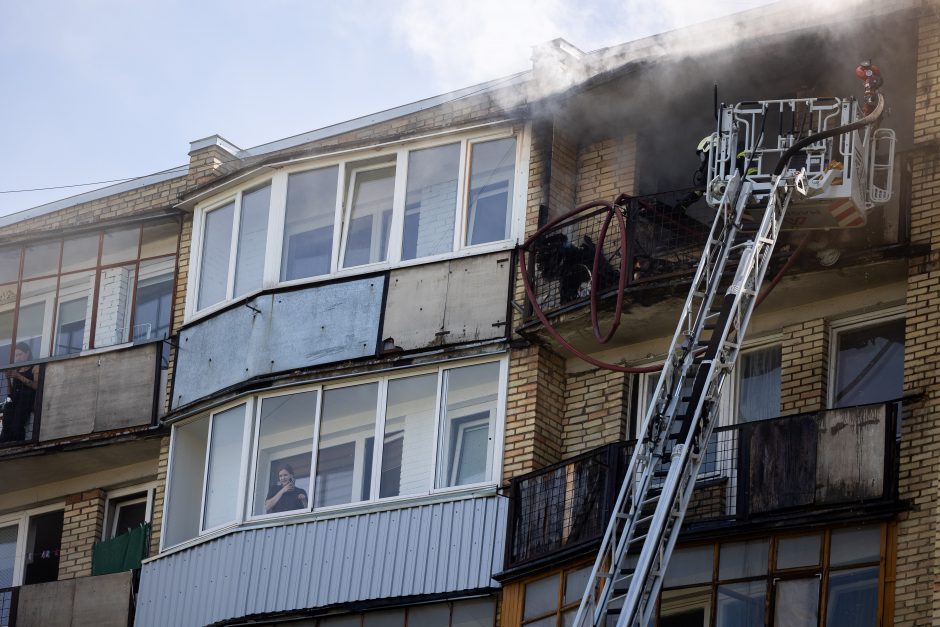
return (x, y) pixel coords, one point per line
(8, 598)
(752, 471)
(20, 404)
(665, 235)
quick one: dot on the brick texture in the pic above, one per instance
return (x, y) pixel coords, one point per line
(596, 410)
(804, 354)
(606, 169)
(81, 528)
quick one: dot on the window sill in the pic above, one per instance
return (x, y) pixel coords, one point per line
(444, 495)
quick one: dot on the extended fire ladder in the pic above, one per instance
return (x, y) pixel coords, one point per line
(631, 563)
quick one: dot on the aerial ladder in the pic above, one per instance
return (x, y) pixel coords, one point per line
(843, 169)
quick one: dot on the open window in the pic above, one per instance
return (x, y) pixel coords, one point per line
(368, 217)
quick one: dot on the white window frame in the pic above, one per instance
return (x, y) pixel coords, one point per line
(375, 236)
(396, 154)
(21, 521)
(251, 444)
(853, 323)
(148, 489)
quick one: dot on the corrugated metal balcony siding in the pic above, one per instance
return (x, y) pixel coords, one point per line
(429, 549)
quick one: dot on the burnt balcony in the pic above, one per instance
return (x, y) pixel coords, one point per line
(82, 395)
(833, 461)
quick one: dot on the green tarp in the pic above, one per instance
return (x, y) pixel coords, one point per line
(120, 553)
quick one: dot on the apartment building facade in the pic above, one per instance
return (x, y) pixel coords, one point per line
(312, 369)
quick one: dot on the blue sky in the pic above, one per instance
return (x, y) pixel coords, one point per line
(107, 89)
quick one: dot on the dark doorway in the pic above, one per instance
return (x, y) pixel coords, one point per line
(44, 543)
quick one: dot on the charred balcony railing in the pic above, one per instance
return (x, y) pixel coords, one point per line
(20, 404)
(665, 234)
(752, 471)
(8, 606)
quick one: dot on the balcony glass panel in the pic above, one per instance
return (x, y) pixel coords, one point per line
(741, 604)
(33, 326)
(154, 299)
(222, 480)
(9, 264)
(216, 245)
(41, 260)
(794, 552)
(855, 546)
(759, 384)
(347, 438)
(431, 201)
(80, 253)
(369, 216)
(308, 224)
(796, 603)
(285, 449)
(7, 554)
(73, 319)
(120, 245)
(743, 559)
(409, 427)
(159, 239)
(852, 599)
(252, 235)
(7, 305)
(688, 566)
(467, 433)
(491, 187)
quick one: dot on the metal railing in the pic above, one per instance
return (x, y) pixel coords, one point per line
(13, 392)
(8, 598)
(665, 235)
(751, 470)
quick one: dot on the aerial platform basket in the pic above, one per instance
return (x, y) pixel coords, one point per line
(846, 176)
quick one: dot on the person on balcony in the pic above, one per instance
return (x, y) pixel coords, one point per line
(284, 496)
(21, 386)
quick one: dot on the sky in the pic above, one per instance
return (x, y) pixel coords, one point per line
(97, 90)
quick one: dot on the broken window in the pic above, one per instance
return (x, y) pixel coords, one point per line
(869, 364)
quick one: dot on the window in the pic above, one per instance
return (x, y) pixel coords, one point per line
(758, 384)
(69, 295)
(335, 445)
(558, 595)
(479, 612)
(868, 364)
(405, 204)
(126, 510)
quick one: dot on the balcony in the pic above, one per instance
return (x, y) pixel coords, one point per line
(88, 394)
(759, 472)
(104, 601)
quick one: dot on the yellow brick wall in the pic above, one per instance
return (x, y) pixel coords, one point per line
(917, 601)
(607, 169)
(159, 496)
(596, 410)
(81, 528)
(804, 353)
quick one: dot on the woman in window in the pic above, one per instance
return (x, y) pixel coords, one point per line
(284, 496)
(21, 383)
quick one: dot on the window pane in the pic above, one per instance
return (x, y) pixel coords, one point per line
(409, 426)
(741, 604)
(489, 202)
(285, 447)
(796, 603)
(184, 489)
(225, 454)
(759, 383)
(344, 454)
(475, 613)
(691, 565)
(308, 224)
(115, 293)
(541, 597)
(384, 618)
(370, 216)
(7, 555)
(152, 306)
(129, 516)
(743, 559)
(73, 328)
(159, 239)
(469, 422)
(36, 308)
(427, 615)
(870, 364)
(41, 260)
(798, 551)
(853, 598)
(687, 607)
(252, 235)
(216, 245)
(855, 546)
(575, 583)
(9, 264)
(80, 253)
(431, 201)
(120, 245)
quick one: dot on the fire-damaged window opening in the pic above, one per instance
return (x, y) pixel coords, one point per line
(314, 449)
(420, 203)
